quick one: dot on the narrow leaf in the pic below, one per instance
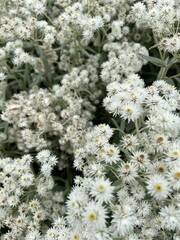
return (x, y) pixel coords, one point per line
(156, 61)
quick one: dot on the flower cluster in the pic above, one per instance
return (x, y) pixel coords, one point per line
(64, 112)
(123, 61)
(135, 195)
(27, 198)
(160, 16)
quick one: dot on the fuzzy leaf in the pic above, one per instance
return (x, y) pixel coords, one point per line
(155, 61)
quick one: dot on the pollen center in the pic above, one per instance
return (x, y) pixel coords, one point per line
(158, 187)
(159, 140)
(175, 154)
(92, 216)
(111, 151)
(75, 237)
(177, 175)
(161, 169)
(25, 179)
(101, 188)
(128, 110)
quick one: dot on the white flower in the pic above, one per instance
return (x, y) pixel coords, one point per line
(129, 142)
(158, 187)
(46, 169)
(128, 172)
(39, 215)
(138, 191)
(159, 142)
(76, 201)
(52, 234)
(102, 190)
(26, 180)
(170, 217)
(123, 220)
(34, 205)
(33, 235)
(43, 156)
(140, 159)
(130, 112)
(13, 201)
(95, 215)
(111, 154)
(104, 130)
(174, 177)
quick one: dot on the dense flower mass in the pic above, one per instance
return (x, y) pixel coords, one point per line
(89, 120)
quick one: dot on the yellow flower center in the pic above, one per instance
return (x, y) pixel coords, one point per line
(158, 187)
(175, 154)
(92, 216)
(97, 140)
(51, 234)
(25, 179)
(128, 110)
(75, 204)
(111, 151)
(177, 175)
(18, 160)
(75, 237)
(101, 188)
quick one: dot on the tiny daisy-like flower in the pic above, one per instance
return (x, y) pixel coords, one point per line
(102, 190)
(77, 200)
(173, 155)
(112, 153)
(170, 216)
(129, 142)
(159, 142)
(128, 172)
(158, 187)
(138, 191)
(26, 180)
(123, 220)
(174, 178)
(43, 156)
(140, 159)
(130, 112)
(104, 130)
(34, 205)
(95, 215)
(158, 167)
(52, 234)
(39, 215)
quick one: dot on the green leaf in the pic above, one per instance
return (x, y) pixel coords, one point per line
(115, 123)
(169, 81)
(90, 49)
(117, 183)
(27, 75)
(156, 61)
(161, 74)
